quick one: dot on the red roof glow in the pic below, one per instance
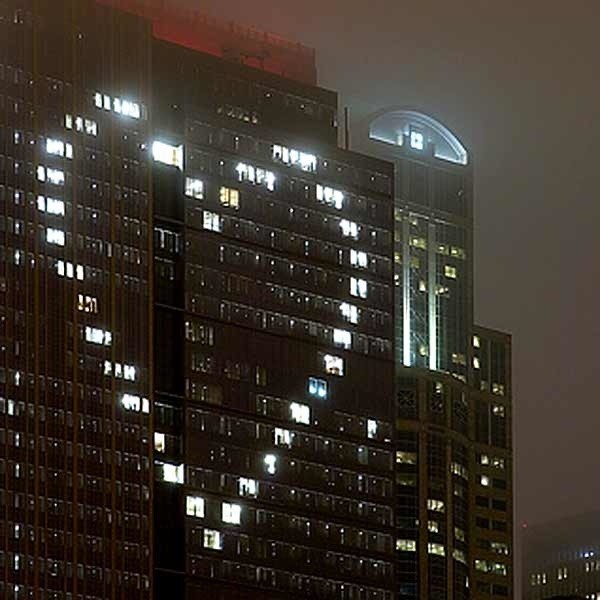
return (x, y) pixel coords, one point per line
(226, 40)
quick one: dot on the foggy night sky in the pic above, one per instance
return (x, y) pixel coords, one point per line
(518, 82)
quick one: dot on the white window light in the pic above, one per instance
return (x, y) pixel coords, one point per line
(317, 387)
(213, 539)
(126, 108)
(168, 154)
(476, 362)
(91, 127)
(349, 312)
(173, 473)
(59, 148)
(349, 229)
(134, 403)
(68, 121)
(342, 338)
(256, 175)
(334, 365)
(51, 206)
(247, 487)
(194, 188)
(358, 259)
(79, 124)
(120, 371)
(330, 196)
(194, 506)
(371, 429)
(270, 461)
(212, 221)
(68, 270)
(476, 341)
(159, 442)
(485, 481)
(98, 99)
(231, 513)
(282, 437)
(98, 336)
(300, 413)
(307, 162)
(417, 140)
(54, 176)
(358, 287)
(55, 236)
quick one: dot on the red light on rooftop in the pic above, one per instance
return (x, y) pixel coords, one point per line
(245, 45)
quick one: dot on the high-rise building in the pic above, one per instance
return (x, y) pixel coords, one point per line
(198, 299)
(198, 291)
(453, 401)
(561, 558)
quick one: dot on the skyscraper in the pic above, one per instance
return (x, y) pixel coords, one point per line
(198, 296)
(453, 408)
(201, 317)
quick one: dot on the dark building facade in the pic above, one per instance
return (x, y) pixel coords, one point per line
(562, 558)
(453, 404)
(75, 302)
(197, 299)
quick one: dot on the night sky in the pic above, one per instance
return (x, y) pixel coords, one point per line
(518, 82)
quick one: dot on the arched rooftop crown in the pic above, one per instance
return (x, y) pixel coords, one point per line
(402, 127)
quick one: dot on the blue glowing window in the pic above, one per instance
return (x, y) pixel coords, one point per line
(317, 387)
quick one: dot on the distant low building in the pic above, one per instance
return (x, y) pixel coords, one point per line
(561, 559)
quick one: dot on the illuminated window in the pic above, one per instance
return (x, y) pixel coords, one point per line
(372, 429)
(317, 387)
(270, 461)
(51, 206)
(437, 549)
(69, 121)
(417, 140)
(498, 389)
(55, 236)
(135, 403)
(342, 338)
(358, 287)
(406, 545)
(98, 336)
(59, 148)
(484, 459)
(256, 175)
(459, 556)
(433, 526)
(70, 271)
(91, 127)
(406, 458)
(349, 228)
(460, 470)
(498, 410)
(247, 487)
(561, 575)
(212, 221)
(500, 548)
(159, 442)
(330, 196)
(307, 162)
(231, 513)
(476, 341)
(334, 365)
(476, 363)
(300, 413)
(54, 176)
(282, 437)
(436, 505)
(420, 243)
(450, 272)
(459, 534)
(213, 539)
(229, 197)
(349, 312)
(127, 108)
(167, 154)
(358, 259)
(484, 480)
(173, 473)
(194, 507)
(194, 188)
(120, 371)
(457, 252)
(87, 304)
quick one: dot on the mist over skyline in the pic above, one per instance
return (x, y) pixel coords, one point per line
(513, 81)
